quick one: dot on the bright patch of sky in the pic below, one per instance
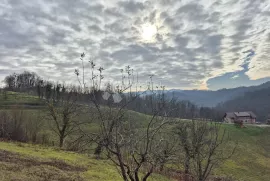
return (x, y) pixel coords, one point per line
(187, 44)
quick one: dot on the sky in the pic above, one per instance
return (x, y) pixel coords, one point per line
(185, 44)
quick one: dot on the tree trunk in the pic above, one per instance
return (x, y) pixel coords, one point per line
(187, 168)
(123, 172)
(137, 175)
(121, 164)
(148, 174)
(61, 141)
(63, 131)
(161, 168)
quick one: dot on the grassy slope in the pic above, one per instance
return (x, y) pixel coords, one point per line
(12, 98)
(250, 163)
(33, 162)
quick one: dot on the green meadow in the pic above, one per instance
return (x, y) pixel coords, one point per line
(25, 161)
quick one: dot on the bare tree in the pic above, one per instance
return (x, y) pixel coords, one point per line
(186, 145)
(17, 123)
(64, 116)
(205, 147)
(34, 125)
(10, 81)
(134, 149)
(168, 149)
(4, 121)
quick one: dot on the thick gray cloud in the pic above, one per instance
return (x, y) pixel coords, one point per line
(194, 41)
(131, 6)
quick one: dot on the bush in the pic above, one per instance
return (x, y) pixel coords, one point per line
(4, 119)
(18, 125)
(239, 124)
(33, 126)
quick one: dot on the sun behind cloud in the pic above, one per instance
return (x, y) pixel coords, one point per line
(149, 32)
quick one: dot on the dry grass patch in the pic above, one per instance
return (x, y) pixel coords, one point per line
(14, 166)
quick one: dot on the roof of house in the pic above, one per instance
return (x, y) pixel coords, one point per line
(230, 115)
(252, 114)
(240, 114)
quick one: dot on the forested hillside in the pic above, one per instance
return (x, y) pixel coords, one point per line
(213, 98)
(33, 84)
(257, 101)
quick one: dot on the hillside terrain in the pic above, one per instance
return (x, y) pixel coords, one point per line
(27, 162)
(252, 157)
(212, 98)
(33, 162)
(134, 90)
(256, 101)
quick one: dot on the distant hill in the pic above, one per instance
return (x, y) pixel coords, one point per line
(212, 98)
(257, 101)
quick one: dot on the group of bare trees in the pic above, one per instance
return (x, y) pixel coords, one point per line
(31, 83)
(19, 125)
(137, 151)
(21, 81)
(139, 146)
(132, 148)
(204, 147)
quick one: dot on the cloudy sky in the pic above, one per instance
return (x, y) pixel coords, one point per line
(186, 44)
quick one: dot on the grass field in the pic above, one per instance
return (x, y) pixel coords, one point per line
(251, 162)
(11, 99)
(27, 162)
